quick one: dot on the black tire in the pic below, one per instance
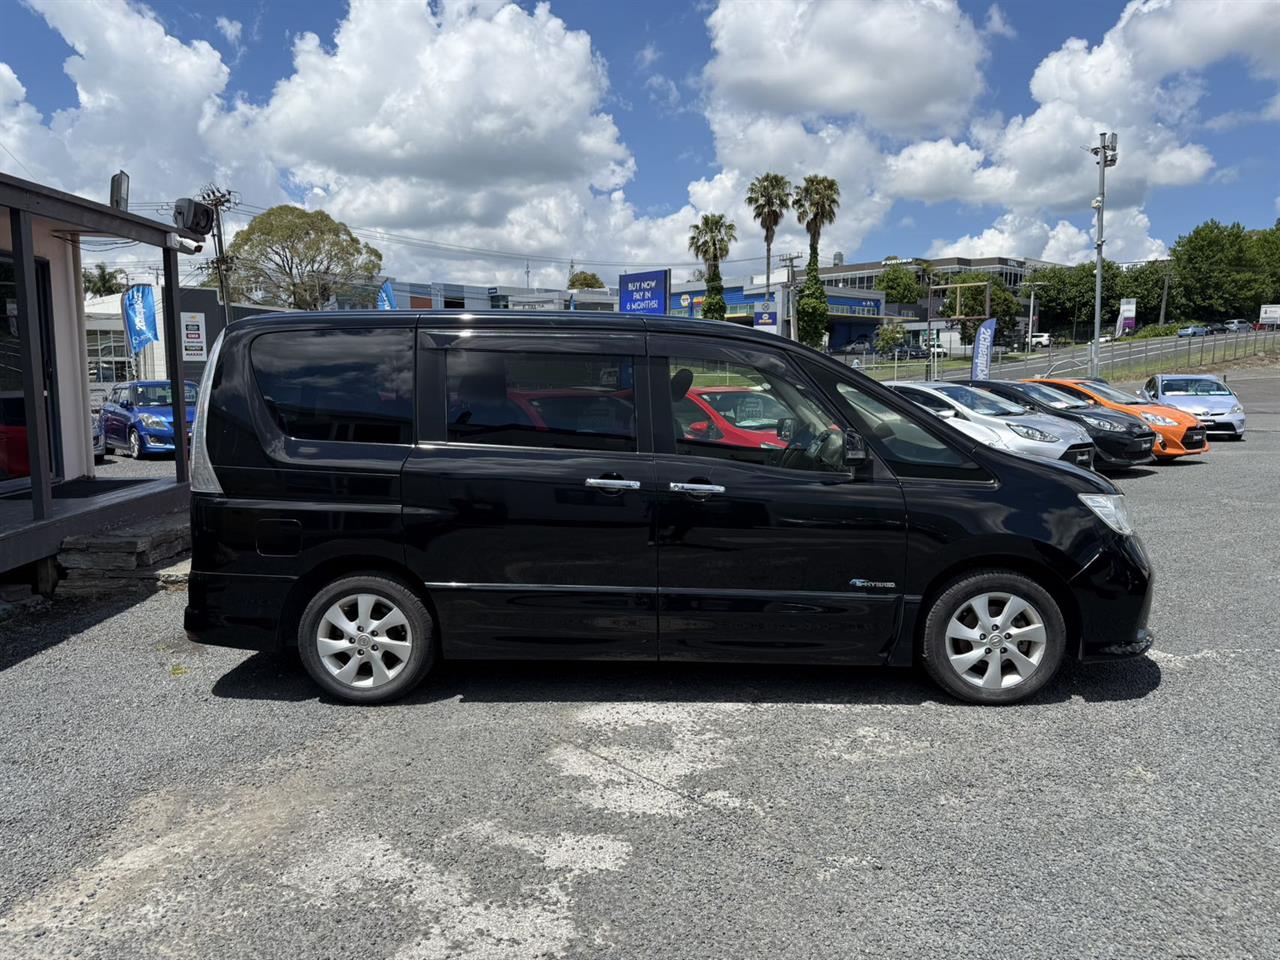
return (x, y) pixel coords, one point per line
(953, 600)
(422, 654)
(135, 444)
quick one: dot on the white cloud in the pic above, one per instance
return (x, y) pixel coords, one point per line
(664, 92)
(647, 56)
(997, 25)
(230, 29)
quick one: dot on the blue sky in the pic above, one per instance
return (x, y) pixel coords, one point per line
(996, 168)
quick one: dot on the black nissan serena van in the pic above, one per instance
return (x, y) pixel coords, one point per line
(385, 490)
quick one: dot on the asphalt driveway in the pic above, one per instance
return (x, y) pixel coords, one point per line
(159, 799)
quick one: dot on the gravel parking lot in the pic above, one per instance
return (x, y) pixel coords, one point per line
(160, 799)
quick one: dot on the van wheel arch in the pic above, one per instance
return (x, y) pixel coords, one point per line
(305, 588)
(1042, 574)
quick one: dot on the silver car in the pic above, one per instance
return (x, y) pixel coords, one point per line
(1204, 396)
(1018, 429)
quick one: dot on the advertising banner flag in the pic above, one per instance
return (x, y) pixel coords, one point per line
(386, 297)
(644, 292)
(138, 308)
(1128, 319)
(983, 342)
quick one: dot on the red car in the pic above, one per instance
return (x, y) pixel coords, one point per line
(739, 416)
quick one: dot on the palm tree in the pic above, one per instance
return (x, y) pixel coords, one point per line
(769, 197)
(101, 282)
(816, 202)
(709, 241)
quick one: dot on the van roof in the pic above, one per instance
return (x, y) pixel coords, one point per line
(581, 319)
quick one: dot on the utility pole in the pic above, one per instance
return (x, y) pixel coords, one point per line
(526, 274)
(1105, 151)
(1031, 315)
(218, 198)
(1164, 295)
(790, 260)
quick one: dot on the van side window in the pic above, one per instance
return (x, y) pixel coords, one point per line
(733, 411)
(353, 386)
(908, 448)
(565, 401)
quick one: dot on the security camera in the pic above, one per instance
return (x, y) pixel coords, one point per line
(1097, 203)
(182, 244)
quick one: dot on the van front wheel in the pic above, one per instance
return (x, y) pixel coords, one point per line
(994, 637)
(366, 639)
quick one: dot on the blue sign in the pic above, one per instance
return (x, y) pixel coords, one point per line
(983, 342)
(767, 320)
(386, 297)
(138, 307)
(644, 292)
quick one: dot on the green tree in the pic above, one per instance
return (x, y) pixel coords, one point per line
(101, 282)
(973, 305)
(891, 334)
(816, 201)
(1064, 299)
(1265, 245)
(899, 284)
(769, 198)
(1220, 272)
(709, 241)
(582, 280)
(290, 257)
(1145, 283)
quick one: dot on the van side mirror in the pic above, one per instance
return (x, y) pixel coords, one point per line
(786, 428)
(855, 449)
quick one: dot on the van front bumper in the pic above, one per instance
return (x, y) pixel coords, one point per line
(1113, 593)
(234, 610)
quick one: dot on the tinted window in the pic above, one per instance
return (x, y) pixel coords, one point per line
(737, 412)
(1052, 396)
(910, 449)
(569, 401)
(354, 386)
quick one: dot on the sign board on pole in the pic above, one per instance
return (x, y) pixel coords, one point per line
(766, 318)
(983, 341)
(1128, 319)
(138, 308)
(1269, 314)
(195, 349)
(644, 292)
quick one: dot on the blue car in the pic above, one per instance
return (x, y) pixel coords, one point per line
(137, 416)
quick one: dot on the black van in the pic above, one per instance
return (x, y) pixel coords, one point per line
(383, 490)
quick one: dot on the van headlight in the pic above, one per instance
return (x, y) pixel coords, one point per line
(1031, 433)
(1158, 420)
(152, 422)
(1099, 424)
(1110, 509)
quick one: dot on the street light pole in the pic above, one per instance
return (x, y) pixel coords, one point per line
(1105, 151)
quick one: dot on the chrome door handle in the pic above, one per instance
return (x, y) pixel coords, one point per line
(600, 483)
(701, 489)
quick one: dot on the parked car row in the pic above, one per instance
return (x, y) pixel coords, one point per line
(1087, 422)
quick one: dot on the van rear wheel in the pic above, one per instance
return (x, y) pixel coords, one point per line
(994, 637)
(366, 638)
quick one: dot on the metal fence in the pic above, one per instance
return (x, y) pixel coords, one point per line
(1120, 359)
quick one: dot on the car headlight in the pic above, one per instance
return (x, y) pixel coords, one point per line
(1237, 409)
(1110, 509)
(1031, 433)
(1158, 420)
(152, 422)
(1099, 424)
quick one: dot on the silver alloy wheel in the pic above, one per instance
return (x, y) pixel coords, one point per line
(996, 640)
(135, 445)
(364, 640)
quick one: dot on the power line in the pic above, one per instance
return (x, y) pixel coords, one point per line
(16, 160)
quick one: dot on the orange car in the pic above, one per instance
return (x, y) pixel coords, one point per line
(1179, 433)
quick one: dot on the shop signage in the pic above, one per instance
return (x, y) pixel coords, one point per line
(644, 292)
(195, 348)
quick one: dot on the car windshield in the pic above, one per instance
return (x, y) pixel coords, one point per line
(159, 394)
(1110, 393)
(749, 409)
(1051, 397)
(1194, 388)
(979, 401)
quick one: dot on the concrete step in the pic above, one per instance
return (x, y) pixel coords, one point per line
(139, 557)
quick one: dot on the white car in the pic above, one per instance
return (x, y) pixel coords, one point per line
(1039, 340)
(1017, 428)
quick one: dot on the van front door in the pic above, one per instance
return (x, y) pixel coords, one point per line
(769, 547)
(528, 503)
